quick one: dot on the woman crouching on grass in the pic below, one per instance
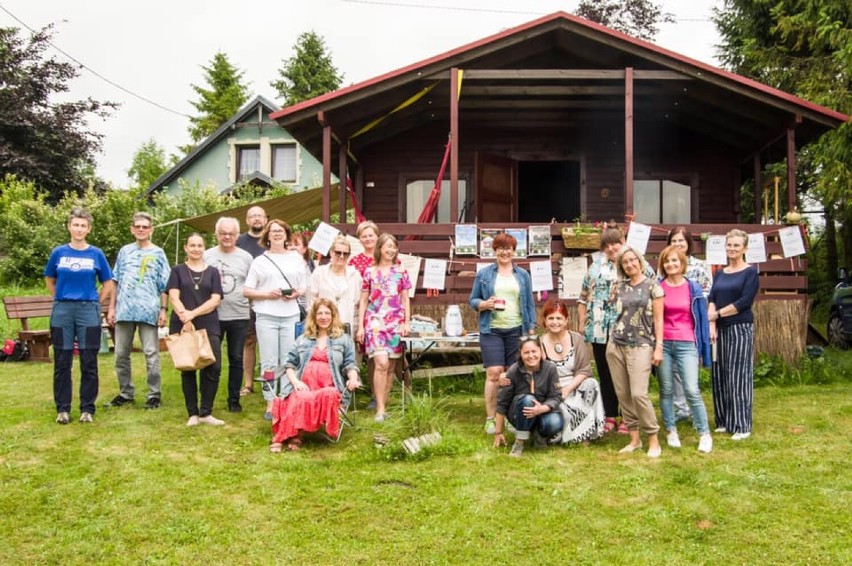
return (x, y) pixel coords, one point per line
(531, 399)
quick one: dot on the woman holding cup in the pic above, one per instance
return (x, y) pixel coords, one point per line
(502, 294)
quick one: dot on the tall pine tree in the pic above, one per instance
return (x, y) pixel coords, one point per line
(308, 73)
(218, 103)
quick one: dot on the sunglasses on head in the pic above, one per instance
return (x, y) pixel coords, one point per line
(529, 338)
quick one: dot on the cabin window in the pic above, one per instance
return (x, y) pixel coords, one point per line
(248, 160)
(284, 162)
(661, 201)
(417, 193)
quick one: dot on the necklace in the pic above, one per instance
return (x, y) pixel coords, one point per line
(196, 279)
(558, 348)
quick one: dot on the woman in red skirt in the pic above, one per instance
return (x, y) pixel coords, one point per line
(315, 369)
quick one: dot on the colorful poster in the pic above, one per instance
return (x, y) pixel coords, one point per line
(486, 239)
(465, 239)
(539, 241)
(520, 234)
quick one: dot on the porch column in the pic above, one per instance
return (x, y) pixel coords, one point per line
(791, 169)
(454, 144)
(628, 141)
(758, 187)
(342, 174)
(326, 173)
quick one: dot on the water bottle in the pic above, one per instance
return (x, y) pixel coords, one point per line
(453, 321)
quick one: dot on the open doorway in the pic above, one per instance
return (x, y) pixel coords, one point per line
(547, 190)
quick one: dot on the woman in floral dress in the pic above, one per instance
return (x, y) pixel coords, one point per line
(384, 314)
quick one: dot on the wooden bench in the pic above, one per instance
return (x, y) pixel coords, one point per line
(25, 308)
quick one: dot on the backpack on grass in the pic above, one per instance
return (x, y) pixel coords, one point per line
(14, 351)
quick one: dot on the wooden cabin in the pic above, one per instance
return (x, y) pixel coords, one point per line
(559, 119)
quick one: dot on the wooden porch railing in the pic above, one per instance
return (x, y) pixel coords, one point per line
(779, 278)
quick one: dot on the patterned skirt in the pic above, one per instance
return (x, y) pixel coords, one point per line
(583, 414)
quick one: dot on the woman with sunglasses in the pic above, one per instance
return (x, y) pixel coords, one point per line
(338, 281)
(635, 345)
(531, 399)
(502, 294)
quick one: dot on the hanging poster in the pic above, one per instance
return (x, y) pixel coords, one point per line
(411, 263)
(542, 275)
(571, 277)
(756, 250)
(486, 242)
(714, 249)
(791, 241)
(435, 274)
(520, 234)
(638, 236)
(465, 239)
(539, 240)
(323, 237)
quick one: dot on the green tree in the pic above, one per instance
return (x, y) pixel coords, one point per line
(149, 162)
(803, 47)
(218, 103)
(638, 18)
(42, 140)
(308, 73)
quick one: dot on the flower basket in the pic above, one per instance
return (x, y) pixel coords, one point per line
(581, 238)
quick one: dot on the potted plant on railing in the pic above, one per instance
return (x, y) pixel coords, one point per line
(582, 236)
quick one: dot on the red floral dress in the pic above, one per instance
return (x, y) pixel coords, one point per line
(308, 411)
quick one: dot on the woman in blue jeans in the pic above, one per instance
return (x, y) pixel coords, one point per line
(686, 341)
(502, 294)
(531, 399)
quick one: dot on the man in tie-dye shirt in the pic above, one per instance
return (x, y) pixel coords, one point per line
(139, 302)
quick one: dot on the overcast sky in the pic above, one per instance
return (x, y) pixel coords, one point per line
(155, 49)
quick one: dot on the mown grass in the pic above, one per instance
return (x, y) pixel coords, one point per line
(139, 486)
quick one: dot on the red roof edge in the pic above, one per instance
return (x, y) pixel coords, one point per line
(578, 20)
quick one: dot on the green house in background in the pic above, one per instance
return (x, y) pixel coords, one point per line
(250, 147)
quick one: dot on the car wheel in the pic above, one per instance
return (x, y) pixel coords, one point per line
(835, 333)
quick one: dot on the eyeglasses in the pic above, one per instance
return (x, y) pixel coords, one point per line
(277, 231)
(138, 227)
(227, 234)
(340, 253)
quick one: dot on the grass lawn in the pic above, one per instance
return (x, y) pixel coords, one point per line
(139, 486)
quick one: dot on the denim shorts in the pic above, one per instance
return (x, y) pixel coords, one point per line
(500, 347)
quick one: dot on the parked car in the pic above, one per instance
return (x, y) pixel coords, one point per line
(840, 313)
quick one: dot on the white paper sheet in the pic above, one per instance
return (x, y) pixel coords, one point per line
(435, 274)
(638, 236)
(714, 249)
(756, 250)
(411, 263)
(323, 237)
(791, 241)
(542, 275)
(571, 277)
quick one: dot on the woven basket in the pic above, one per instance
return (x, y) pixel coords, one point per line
(580, 241)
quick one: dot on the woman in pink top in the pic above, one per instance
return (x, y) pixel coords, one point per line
(686, 342)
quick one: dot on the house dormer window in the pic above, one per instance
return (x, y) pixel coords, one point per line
(248, 160)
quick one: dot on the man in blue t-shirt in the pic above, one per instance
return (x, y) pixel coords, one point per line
(139, 303)
(71, 275)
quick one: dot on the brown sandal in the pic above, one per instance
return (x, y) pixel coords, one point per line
(294, 445)
(275, 447)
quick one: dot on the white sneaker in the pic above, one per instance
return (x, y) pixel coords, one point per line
(211, 420)
(740, 435)
(193, 421)
(630, 448)
(655, 452)
(721, 430)
(86, 417)
(672, 439)
(705, 443)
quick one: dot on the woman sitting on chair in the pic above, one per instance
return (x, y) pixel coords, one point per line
(315, 369)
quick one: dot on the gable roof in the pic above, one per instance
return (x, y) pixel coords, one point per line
(577, 40)
(221, 132)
